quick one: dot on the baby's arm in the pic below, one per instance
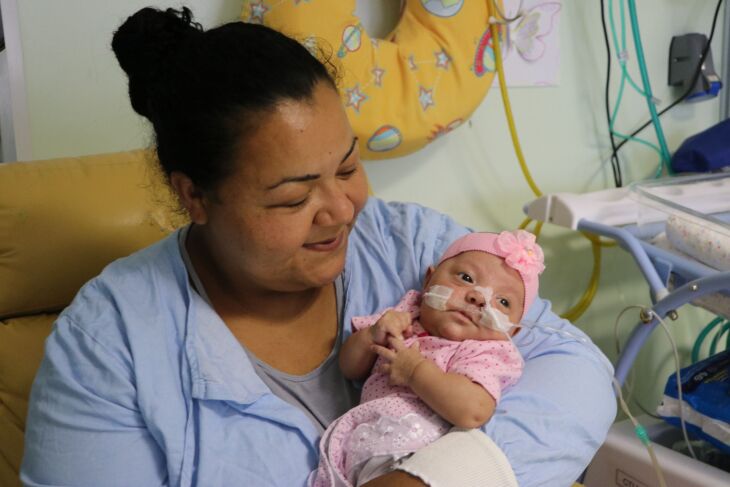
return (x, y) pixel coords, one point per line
(454, 397)
(357, 355)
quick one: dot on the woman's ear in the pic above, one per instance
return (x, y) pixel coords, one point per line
(190, 196)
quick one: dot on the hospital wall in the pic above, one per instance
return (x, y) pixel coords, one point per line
(77, 104)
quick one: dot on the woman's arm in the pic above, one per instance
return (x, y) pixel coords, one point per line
(396, 478)
(356, 357)
(84, 427)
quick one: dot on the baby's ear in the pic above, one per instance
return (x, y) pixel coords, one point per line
(429, 273)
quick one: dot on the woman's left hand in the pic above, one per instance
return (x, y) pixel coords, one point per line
(396, 478)
(402, 360)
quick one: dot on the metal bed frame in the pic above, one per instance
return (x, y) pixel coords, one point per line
(692, 280)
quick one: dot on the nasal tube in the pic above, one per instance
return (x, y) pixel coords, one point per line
(438, 296)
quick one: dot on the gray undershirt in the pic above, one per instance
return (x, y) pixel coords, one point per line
(323, 394)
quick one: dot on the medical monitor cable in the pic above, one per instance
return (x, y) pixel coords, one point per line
(615, 163)
(647, 85)
(584, 302)
(646, 311)
(622, 57)
(696, 76)
(629, 381)
(679, 381)
(622, 50)
(641, 433)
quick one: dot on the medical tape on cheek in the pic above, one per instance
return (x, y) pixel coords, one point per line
(489, 317)
(495, 320)
(437, 296)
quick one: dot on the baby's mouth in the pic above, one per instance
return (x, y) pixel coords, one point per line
(472, 313)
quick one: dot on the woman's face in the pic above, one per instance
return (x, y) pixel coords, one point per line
(464, 273)
(281, 221)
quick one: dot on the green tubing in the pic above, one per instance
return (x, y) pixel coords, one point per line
(621, 50)
(624, 78)
(701, 338)
(716, 338)
(641, 434)
(647, 86)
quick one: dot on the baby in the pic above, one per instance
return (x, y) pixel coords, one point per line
(440, 358)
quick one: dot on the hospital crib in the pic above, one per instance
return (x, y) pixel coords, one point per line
(676, 229)
(678, 232)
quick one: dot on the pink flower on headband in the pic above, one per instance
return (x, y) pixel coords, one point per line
(521, 252)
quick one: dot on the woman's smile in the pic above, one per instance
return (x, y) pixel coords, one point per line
(329, 244)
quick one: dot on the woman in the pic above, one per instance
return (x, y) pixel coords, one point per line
(209, 358)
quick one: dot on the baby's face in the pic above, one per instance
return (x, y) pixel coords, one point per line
(465, 273)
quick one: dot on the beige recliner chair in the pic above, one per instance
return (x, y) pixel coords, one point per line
(61, 222)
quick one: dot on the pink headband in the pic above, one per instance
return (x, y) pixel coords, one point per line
(518, 249)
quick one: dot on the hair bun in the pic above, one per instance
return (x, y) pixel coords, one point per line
(145, 40)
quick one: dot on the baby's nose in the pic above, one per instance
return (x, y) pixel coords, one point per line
(475, 297)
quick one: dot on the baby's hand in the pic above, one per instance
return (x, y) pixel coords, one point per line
(392, 324)
(403, 360)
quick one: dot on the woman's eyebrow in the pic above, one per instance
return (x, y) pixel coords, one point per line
(349, 151)
(294, 179)
(310, 177)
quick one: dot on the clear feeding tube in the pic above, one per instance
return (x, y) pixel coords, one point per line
(437, 297)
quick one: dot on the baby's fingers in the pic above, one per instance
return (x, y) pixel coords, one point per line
(397, 344)
(384, 352)
(394, 330)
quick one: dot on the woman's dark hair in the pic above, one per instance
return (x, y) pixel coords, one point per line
(203, 90)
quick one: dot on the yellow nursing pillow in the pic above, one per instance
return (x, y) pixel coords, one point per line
(400, 93)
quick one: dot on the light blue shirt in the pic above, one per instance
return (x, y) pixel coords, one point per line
(143, 384)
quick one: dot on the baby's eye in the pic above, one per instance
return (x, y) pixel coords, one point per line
(504, 302)
(465, 277)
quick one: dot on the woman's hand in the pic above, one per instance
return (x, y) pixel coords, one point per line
(396, 324)
(397, 478)
(403, 360)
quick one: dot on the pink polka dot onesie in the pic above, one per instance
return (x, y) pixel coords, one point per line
(391, 421)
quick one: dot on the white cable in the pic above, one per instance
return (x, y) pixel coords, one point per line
(677, 365)
(618, 321)
(641, 433)
(679, 383)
